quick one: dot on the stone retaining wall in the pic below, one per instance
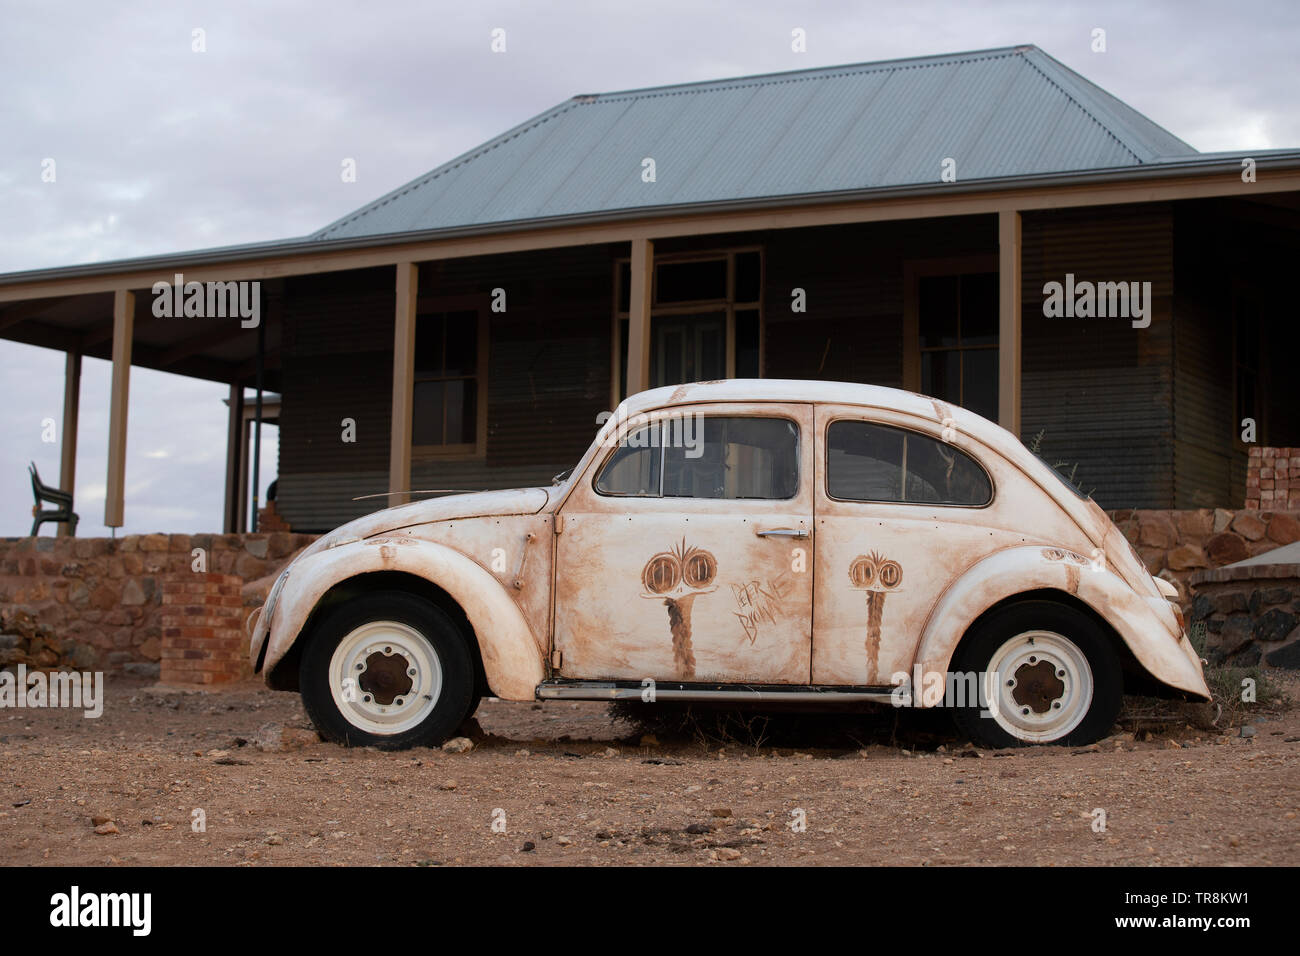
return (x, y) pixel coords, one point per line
(1249, 614)
(105, 595)
(1177, 544)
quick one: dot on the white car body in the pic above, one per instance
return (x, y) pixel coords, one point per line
(808, 595)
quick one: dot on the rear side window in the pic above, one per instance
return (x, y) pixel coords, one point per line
(693, 456)
(870, 462)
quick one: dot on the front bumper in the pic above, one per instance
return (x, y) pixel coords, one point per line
(257, 639)
(259, 624)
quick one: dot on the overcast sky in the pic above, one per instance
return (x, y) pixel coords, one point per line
(159, 148)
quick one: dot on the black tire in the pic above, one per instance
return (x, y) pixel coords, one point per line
(444, 639)
(1079, 629)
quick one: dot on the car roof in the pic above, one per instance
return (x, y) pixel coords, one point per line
(802, 390)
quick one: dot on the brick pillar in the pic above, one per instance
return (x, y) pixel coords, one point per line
(1273, 479)
(203, 640)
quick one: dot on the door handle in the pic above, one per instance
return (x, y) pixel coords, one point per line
(783, 533)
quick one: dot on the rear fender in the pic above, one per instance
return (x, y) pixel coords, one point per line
(1146, 625)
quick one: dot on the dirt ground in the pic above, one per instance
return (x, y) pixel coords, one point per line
(564, 783)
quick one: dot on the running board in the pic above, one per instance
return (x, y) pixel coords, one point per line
(670, 690)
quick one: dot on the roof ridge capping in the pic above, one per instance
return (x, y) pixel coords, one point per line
(1145, 138)
(425, 178)
(872, 66)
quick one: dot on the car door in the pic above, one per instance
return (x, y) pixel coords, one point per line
(685, 552)
(900, 513)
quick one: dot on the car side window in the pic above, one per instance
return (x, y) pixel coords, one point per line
(694, 456)
(870, 462)
(634, 469)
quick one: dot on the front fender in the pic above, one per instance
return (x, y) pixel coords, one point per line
(511, 659)
(1146, 625)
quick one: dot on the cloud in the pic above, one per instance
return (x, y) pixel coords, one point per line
(160, 149)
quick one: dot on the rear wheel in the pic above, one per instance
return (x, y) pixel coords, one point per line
(1047, 675)
(389, 670)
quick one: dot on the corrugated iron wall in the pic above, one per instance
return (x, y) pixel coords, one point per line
(1141, 411)
(548, 378)
(1208, 471)
(1100, 390)
(337, 363)
(853, 279)
(1227, 252)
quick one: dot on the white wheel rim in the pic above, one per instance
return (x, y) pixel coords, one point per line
(1031, 702)
(370, 672)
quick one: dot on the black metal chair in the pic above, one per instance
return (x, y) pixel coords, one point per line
(63, 499)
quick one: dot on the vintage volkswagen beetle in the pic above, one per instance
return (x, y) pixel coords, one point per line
(746, 540)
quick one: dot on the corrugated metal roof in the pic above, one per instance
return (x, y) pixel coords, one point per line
(1007, 112)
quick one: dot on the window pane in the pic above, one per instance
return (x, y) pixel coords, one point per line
(428, 344)
(687, 348)
(670, 361)
(748, 276)
(747, 344)
(980, 382)
(688, 281)
(979, 309)
(738, 457)
(710, 362)
(469, 409)
(869, 462)
(462, 343)
(426, 423)
(941, 375)
(937, 306)
(864, 462)
(633, 469)
(938, 473)
(461, 424)
(445, 409)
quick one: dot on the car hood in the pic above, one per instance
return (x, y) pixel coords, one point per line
(477, 504)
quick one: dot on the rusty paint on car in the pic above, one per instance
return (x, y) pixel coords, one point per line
(677, 577)
(752, 623)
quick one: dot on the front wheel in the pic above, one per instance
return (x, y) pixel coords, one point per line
(1047, 674)
(389, 670)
